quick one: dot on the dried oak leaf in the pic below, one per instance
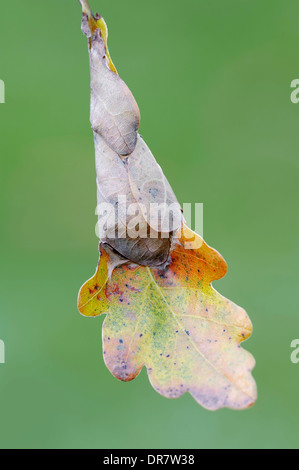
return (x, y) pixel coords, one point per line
(162, 312)
(141, 182)
(114, 113)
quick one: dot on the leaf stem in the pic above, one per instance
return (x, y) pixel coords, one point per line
(86, 8)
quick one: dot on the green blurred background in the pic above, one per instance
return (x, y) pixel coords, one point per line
(212, 80)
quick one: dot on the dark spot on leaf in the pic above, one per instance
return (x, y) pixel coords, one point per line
(153, 192)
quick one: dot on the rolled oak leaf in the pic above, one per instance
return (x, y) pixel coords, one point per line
(139, 182)
(176, 325)
(114, 113)
(115, 120)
